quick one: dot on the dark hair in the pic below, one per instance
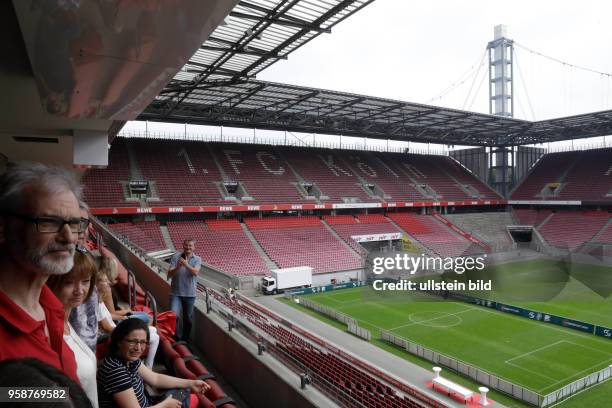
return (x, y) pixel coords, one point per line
(123, 329)
(30, 372)
(85, 266)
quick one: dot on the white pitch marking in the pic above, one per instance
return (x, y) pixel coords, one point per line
(536, 350)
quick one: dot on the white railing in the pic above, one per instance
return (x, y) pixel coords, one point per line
(280, 141)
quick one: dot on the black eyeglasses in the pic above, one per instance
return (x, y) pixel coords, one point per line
(132, 343)
(55, 224)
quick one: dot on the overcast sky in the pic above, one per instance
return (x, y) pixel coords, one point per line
(413, 51)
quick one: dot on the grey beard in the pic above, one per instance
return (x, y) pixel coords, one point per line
(38, 258)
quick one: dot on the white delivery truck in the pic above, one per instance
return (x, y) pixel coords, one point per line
(286, 278)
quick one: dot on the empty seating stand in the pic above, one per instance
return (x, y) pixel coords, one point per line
(222, 244)
(146, 235)
(331, 175)
(434, 235)
(571, 229)
(590, 178)
(422, 169)
(347, 226)
(184, 172)
(582, 175)
(264, 175)
(396, 186)
(302, 241)
(103, 187)
(529, 216)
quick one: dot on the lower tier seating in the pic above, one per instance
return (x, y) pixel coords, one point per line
(222, 245)
(434, 235)
(302, 241)
(146, 235)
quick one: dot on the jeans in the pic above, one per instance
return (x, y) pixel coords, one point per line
(184, 304)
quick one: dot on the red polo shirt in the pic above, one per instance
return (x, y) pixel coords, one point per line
(21, 336)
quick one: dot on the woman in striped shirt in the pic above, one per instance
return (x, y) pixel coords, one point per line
(121, 376)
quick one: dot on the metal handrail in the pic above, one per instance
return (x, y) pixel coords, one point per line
(151, 303)
(131, 288)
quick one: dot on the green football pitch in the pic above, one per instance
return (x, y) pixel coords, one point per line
(539, 356)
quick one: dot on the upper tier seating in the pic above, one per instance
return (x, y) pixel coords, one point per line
(590, 178)
(222, 244)
(103, 186)
(364, 225)
(584, 175)
(548, 169)
(396, 186)
(434, 235)
(265, 176)
(302, 241)
(184, 172)
(489, 228)
(571, 229)
(460, 174)
(191, 173)
(432, 170)
(331, 175)
(146, 235)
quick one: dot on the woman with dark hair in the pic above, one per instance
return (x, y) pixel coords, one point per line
(72, 289)
(107, 276)
(30, 372)
(122, 376)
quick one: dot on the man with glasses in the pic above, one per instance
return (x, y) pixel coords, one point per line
(39, 224)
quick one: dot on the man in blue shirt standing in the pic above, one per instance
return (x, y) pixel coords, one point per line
(184, 268)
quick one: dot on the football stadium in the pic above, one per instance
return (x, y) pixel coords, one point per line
(357, 249)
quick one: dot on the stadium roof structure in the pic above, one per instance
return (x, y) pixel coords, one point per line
(217, 87)
(255, 35)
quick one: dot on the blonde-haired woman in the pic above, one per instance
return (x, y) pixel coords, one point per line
(72, 289)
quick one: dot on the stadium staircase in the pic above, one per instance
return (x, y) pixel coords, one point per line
(434, 235)
(605, 234)
(260, 171)
(184, 172)
(167, 238)
(417, 246)
(135, 173)
(571, 229)
(487, 227)
(269, 262)
(299, 241)
(331, 176)
(346, 240)
(345, 226)
(529, 216)
(222, 244)
(315, 191)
